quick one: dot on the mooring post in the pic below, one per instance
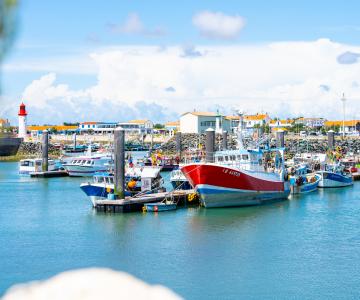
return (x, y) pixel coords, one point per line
(210, 145)
(331, 139)
(224, 140)
(74, 138)
(280, 139)
(178, 144)
(119, 151)
(45, 151)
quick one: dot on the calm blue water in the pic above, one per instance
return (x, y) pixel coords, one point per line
(307, 247)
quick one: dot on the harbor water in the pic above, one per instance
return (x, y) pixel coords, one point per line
(307, 247)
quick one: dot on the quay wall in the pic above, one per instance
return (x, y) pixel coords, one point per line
(293, 144)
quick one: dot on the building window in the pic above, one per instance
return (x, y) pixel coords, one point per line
(208, 123)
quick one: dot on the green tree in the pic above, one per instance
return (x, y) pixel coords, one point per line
(158, 126)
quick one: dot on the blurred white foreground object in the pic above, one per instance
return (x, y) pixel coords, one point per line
(89, 284)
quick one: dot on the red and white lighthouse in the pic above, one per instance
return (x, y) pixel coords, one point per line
(22, 121)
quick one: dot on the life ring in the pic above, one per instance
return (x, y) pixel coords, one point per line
(156, 209)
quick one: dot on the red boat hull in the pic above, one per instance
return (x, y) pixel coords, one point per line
(222, 186)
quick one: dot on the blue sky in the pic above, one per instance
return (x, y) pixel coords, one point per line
(62, 37)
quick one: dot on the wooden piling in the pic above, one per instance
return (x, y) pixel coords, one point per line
(178, 144)
(210, 145)
(331, 139)
(224, 140)
(119, 149)
(45, 151)
(74, 138)
(280, 139)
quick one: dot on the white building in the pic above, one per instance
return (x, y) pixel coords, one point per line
(314, 123)
(276, 125)
(198, 122)
(98, 127)
(4, 123)
(172, 127)
(253, 121)
(22, 121)
(137, 126)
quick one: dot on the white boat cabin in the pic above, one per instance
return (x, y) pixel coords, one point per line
(31, 165)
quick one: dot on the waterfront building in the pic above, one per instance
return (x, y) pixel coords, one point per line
(38, 130)
(98, 127)
(251, 122)
(137, 126)
(172, 127)
(254, 121)
(22, 121)
(284, 125)
(4, 123)
(314, 123)
(198, 122)
(351, 126)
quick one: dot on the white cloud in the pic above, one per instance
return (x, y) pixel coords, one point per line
(134, 25)
(281, 78)
(217, 25)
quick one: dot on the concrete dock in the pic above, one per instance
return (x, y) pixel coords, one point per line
(131, 204)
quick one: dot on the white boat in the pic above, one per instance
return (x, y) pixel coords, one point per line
(334, 176)
(31, 165)
(88, 165)
(179, 181)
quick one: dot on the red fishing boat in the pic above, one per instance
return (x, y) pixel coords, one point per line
(240, 177)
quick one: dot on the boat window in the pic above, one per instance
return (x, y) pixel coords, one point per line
(220, 158)
(88, 162)
(245, 157)
(238, 157)
(226, 158)
(31, 163)
(233, 157)
(92, 162)
(38, 163)
(24, 163)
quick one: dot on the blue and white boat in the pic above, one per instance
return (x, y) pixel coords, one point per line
(179, 181)
(159, 206)
(103, 184)
(334, 176)
(303, 182)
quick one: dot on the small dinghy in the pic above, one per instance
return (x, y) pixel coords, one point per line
(160, 206)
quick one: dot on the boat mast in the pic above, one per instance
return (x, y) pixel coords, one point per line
(343, 99)
(240, 144)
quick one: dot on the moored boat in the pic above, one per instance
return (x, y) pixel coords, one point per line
(302, 182)
(179, 181)
(159, 206)
(149, 181)
(88, 165)
(32, 165)
(334, 176)
(240, 177)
